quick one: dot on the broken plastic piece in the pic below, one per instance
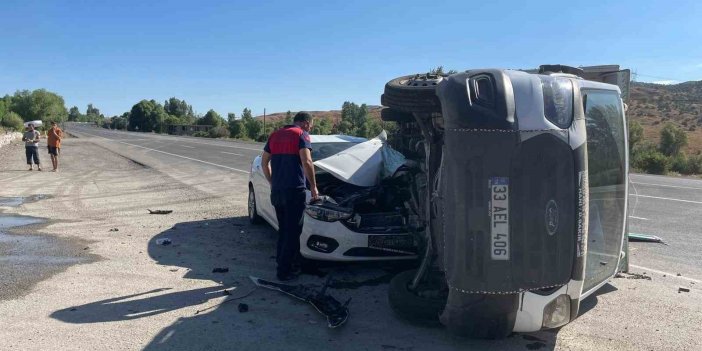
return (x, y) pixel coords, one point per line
(159, 211)
(336, 313)
(220, 270)
(163, 241)
(645, 238)
(243, 308)
(681, 289)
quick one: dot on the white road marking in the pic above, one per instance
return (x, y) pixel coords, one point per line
(666, 273)
(669, 186)
(168, 153)
(668, 198)
(189, 147)
(634, 217)
(231, 153)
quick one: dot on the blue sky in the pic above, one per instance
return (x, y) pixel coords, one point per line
(314, 55)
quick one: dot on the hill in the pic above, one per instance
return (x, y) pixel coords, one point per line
(333, 115)
(653, 105)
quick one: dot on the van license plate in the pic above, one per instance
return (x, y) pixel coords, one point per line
(499, 218)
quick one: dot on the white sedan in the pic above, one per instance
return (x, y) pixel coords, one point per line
(351, 223)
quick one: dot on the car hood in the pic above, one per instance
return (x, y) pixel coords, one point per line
(364, 164)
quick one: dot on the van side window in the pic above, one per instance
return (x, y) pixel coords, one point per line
(558, 100)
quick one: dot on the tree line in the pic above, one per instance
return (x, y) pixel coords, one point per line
(668, 155)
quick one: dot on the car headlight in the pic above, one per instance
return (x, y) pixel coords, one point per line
(327, 213)
(557, 312)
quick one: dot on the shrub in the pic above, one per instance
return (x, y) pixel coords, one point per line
(673, 139)
(13, 121)
(694, 164)
(219, 132)
(655, 163)
(680, 163)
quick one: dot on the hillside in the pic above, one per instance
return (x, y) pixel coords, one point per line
(653, 105)
(334, 115)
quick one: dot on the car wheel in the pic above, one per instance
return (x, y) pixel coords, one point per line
(416, 93)
(410, 306)
(254, 218)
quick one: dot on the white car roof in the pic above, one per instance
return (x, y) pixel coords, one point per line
(338, 138)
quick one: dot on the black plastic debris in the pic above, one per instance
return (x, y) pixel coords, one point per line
(160, 212)
(114, 229)
(681, 289)
(220, 270)
(243, 308)
(335, 312)
(163, 241)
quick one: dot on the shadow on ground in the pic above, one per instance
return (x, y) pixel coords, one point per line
(212, 321)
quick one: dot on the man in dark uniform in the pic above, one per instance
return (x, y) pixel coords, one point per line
(287, 164)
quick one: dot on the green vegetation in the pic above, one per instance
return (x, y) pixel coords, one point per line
(665, 157)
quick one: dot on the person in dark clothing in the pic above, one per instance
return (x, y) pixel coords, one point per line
(31, 146)
(287, 164)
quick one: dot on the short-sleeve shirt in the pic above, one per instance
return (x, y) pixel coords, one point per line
(31, 137)
(52, 139)
(284, 145)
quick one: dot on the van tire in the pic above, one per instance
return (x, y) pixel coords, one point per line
(415, 93)
(411, 307)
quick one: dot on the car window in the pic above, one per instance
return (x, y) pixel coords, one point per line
(606, 173)
(324, 150)
(558, 100)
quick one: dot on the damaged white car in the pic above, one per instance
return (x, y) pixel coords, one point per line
(363, 214)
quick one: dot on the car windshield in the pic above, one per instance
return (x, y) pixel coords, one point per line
(324, 150)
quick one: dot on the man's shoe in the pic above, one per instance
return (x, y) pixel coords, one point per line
(286, 277)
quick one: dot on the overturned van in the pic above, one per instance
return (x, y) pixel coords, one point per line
(524, 193)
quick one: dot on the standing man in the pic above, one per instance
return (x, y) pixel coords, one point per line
(287, 164)
(31, 146)
(53, 141)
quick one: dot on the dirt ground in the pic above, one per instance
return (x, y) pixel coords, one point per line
(126, 292)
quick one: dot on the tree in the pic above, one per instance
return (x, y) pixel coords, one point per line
(322, 126)
(211, 118)
(635, 134)
(13, 121)
(236, 127)
(92, 111)
(147, 116)
(74, 114)
(288, 118)
(252, 126)
(673, 139)
(439, 70)
(39, 104)
(181, 109)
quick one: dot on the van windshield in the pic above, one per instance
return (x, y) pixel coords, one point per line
(606, 174)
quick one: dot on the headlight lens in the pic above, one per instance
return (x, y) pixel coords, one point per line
(557, 312)
(327, 213)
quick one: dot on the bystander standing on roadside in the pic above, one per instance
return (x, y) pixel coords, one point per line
(53, 141)
(287, 164)
(31, 146)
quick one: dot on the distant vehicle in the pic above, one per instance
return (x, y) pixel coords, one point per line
(352, 223)
(524, 192)
(37, 123)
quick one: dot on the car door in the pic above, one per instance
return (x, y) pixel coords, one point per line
(608, 176)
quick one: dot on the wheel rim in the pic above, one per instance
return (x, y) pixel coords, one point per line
(252, 204)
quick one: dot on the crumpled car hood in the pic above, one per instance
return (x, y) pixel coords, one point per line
(364, 164)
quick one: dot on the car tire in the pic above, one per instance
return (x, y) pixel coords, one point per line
(415, 93)
(410, 306)
(254, 217)
(392, 115)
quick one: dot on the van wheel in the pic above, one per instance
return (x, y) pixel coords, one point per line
(409, 305)
(254, 218)
(416, 93)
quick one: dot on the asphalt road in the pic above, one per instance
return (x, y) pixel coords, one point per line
(668, 207)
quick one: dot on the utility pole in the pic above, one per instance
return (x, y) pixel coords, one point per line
(264, 122)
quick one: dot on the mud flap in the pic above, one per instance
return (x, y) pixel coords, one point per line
(336, 312)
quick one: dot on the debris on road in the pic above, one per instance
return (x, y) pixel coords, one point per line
(645, 238)
(163, 241)
(681, 289)
(633, 276)
(227, 300)
(114, 230)
(220, 270)
(160, 212)
(243, 308)
(336, 313)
